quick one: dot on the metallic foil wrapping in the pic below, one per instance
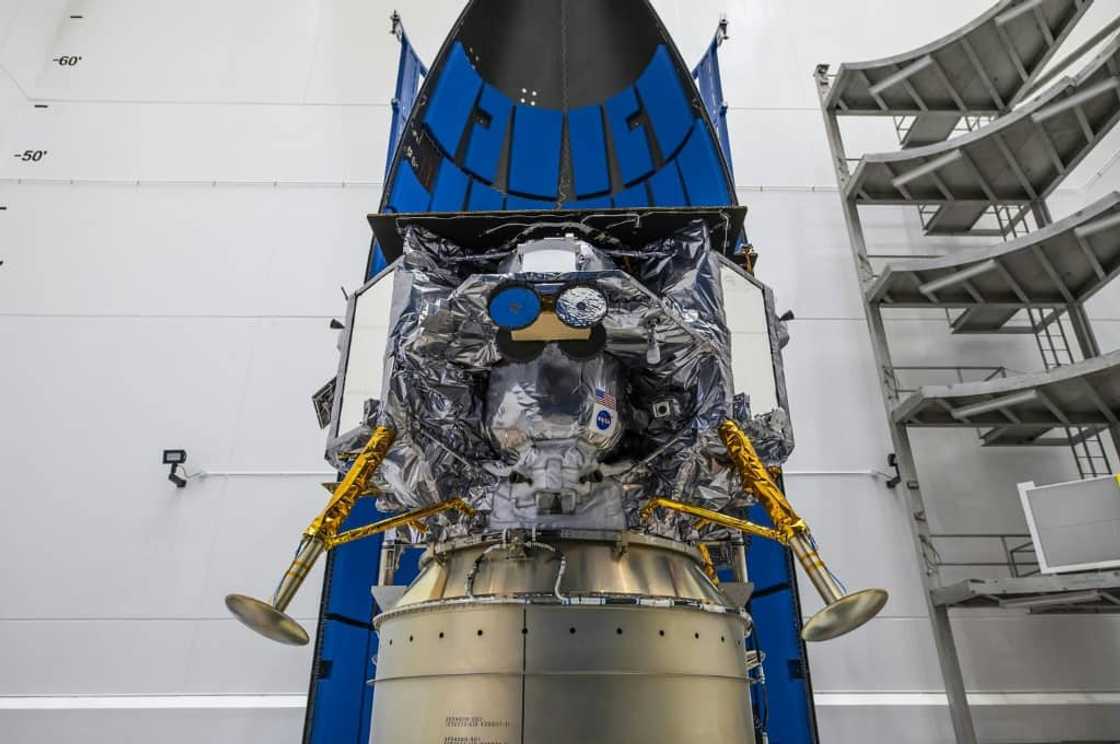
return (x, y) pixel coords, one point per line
(547, 438)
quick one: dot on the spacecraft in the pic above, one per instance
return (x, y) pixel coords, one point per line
(567, 387)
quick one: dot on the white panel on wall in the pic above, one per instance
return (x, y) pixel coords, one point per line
(97, 402)
(777, 45)
(1026, 718)
(251, 50)
(780, 148)
(803, 253)
(176, 726)
(26, 37)
(883, 557)
(171, 656)
(203, 143)
(356, 58)
(834, 396)
(182, 251)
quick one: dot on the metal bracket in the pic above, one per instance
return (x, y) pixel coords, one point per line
(721, 31)
(621, 545)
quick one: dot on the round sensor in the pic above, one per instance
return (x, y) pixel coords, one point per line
(514, 307)
(581, 306)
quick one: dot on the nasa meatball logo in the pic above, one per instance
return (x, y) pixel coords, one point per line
(604, 420)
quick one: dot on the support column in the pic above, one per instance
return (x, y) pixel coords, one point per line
(944, 642)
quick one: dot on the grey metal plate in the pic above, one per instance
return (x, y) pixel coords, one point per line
(1017, 159)
(643, 569)
(1068, 261)
(984, 319)
(988, 592)
(637, 710)
(979, 68)
(449, 642)
(564, 674)
(445, 710)
(638, 640)
(928, 129)
(1021, 409)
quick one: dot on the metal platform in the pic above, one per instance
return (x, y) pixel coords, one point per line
(1060, 593)
(1063, 263)
(980, 69)
(1018, 159)
(1081, 400)
(1011, 147)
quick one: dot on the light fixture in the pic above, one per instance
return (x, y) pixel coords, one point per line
(175, 458)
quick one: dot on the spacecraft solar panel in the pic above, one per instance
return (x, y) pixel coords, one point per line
(363, 358)
(752, 345)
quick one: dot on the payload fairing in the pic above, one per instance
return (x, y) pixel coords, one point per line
(579, 395)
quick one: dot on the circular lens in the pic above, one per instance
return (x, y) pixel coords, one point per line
(514, 307)
(581, 306)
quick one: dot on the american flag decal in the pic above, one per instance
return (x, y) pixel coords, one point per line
(603, 398)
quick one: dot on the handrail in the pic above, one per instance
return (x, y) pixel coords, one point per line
(1017, 560)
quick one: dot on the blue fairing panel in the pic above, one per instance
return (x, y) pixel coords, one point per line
(409, 74)
(775, 609)
(488, 136)
(535, 151)
(598, 202)
(377, 262)
(409, 195)
(451, 189)
(666, 186)
(702, 170)
(631, 148)
(346, 644)
(345, 651)
(515, 203)
(635, 196)
(589, 151)
(484, 199)
(453, 100)
(665, 103)
(710, 82)
(644, 146)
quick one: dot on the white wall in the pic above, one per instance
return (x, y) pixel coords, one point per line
(170, 269)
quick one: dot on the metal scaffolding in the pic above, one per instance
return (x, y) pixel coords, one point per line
(981, 150)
